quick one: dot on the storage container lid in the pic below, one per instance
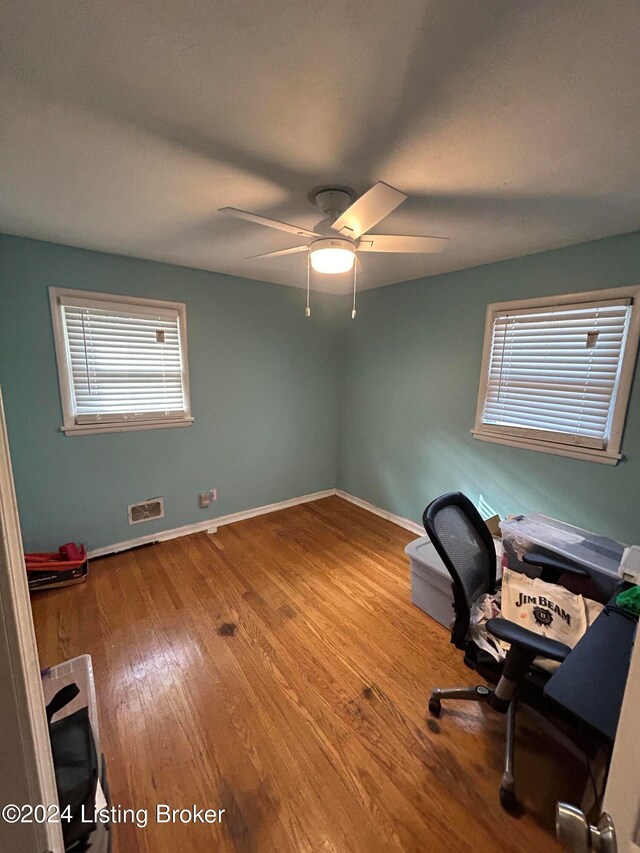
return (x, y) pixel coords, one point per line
(422, 551)
(596, 552)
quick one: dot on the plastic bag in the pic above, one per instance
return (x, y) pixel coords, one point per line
(488, 606)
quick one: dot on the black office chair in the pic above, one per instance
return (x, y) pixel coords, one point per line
(466, 547)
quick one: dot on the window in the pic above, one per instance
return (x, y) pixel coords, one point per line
(122, 361)
(557, 372)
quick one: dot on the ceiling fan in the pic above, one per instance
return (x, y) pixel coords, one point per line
(342, 234)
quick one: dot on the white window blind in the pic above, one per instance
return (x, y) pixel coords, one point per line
(553, 372)
(126, 361)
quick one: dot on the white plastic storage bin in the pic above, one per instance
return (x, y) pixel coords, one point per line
(430, 581)
(80, 671)
(599, 554)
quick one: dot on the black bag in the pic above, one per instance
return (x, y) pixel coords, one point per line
(76, 766)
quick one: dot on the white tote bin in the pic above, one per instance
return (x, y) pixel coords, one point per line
(430, 581)
(80, 671)
(599, 554)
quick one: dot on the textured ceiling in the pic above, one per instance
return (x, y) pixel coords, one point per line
(513, 126)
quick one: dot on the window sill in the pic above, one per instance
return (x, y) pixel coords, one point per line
(124, 426)
(589, 454)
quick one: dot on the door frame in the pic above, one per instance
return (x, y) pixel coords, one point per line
(622, 793)
(25, 721)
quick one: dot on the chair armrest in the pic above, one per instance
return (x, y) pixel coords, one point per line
(519, 636)
(553, 567)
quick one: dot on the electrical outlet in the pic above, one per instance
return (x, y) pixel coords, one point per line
(213, 495)
(204, 500)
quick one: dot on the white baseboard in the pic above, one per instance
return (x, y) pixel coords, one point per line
(413, 526)
(210, 525)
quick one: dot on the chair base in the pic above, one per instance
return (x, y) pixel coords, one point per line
(481, 693)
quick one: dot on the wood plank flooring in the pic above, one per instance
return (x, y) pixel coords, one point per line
(279, 671)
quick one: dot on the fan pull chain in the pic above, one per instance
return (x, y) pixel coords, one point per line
(308, 310)
(355, 275)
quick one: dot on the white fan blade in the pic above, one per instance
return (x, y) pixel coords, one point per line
(291, 251)
(396, 243)
(368, 210)
(270, 223)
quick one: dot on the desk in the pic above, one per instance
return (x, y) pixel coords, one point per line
(590, 682)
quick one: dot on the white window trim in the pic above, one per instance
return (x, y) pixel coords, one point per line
(611, 455)
(69, 425)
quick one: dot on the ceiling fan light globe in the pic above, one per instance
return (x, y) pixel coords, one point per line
(332, 256)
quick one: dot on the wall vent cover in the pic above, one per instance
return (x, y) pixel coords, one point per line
(146, 511)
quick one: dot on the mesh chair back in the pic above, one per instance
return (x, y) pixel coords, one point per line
(465, 546)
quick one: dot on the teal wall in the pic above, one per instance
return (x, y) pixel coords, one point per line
(381, 406)
(263, 388)
(409, 390)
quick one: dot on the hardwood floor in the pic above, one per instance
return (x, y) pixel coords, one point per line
(279, 671)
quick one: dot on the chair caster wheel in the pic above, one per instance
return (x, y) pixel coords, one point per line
(509, 802)
(435, 707)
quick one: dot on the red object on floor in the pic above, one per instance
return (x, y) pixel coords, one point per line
(71, 551)
(69, 556)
